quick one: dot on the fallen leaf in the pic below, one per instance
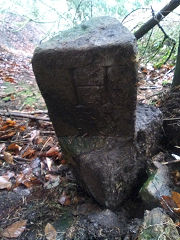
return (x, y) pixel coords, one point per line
(4, 127)
(53, 181)
(31, 182)
(15, 229)
(12, 97)
(53, 152)
(20, 179)
(8, 158)
(10, 174)
(5, 183)
(176, 198)
(34, 134)
(176, 210)
(63, 162)
(10, 122)
(39, 140)
(28, 180)
(64, 200)
(50, 232)
(76, 200)
(7, 135)
(49, 163)
(29, 153)
(22, 128)
(14, 147)
(9, 79)
(167, 202)
(178, 224)
(2, 146)
(176, 176)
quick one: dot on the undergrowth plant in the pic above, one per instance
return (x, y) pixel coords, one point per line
(157, 48)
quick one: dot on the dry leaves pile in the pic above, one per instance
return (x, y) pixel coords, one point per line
(153, 83)
(11, 67)
(172, 203)
(24, 144)
(15, 229)
(30, 158)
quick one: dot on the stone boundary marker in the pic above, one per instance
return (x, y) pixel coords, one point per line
(87, 76)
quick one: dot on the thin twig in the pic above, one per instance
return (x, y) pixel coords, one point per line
(47, 132)
(133, 12)
(150, 87)
(166, 36)
(148, 41)
(22, 115)
(173, 161)
(16, 158)
(171, 119)
(77, 9)
(31, 113)
(155, 94)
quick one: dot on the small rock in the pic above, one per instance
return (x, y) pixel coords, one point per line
(86, 208)
(159, 157)
(158, 225)
(157, 185)
(22, 191)
(106, 218)
(133, 229)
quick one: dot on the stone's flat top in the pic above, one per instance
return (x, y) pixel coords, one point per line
(97, 32)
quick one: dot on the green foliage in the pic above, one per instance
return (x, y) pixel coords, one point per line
(176, 79)
(86, 9)
(56, 15)
(137, 4)
(165, 83)
(154, 48)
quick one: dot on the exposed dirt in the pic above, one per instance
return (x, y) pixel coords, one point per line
(170, 106)
(19, 90)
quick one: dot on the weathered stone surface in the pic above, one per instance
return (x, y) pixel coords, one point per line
(157, 185)
(170, 105)
(87, 76)
(148, 130)
(158, 225)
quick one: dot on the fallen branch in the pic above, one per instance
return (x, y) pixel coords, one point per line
(36, 112)
(30, 113)
(23, 115)
(155, 94)
(171, 119)
(150, 87)
(173, 161)
(156, 19)
(47, 132)
(16, 158)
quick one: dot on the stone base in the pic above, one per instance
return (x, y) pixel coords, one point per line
(107, 167)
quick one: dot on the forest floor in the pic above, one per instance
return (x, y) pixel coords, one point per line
(37, 189)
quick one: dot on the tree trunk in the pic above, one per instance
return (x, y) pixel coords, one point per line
(176, 79)
(157, 18)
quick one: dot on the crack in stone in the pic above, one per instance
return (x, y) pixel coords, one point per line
(73, 81)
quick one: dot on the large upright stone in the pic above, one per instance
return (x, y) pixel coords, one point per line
(87, 76)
